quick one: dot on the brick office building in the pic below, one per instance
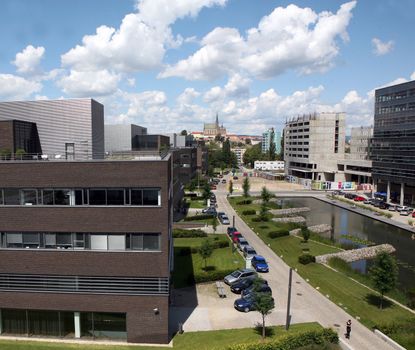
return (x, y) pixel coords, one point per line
(86, 248)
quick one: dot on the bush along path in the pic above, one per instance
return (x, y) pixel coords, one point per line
(328, 297)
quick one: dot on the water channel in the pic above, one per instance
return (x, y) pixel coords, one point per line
(345, 222)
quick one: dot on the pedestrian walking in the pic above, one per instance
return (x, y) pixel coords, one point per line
(348, 329)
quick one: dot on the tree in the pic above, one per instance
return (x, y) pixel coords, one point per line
(183, 133)
(305, 232)
(282, 146)
(20, 153)
(263, 212)
(246, 186)
(214, 224)
(206, 192)
(230, 187)
(252, 154)
(384, 274)
(271, 151)
(205, 250)
(264, 304)
(265, 195)
(248, 141)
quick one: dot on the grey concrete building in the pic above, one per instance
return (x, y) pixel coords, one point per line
(356, 165)
(71, 129)
(119, 137)
(313, 145)
(393, 144)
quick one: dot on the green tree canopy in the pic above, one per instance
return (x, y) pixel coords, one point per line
(264, 304)
(230, 187)
(384, 274)
(272, 148)
(183, 133)
(206, 192)
(265, 195)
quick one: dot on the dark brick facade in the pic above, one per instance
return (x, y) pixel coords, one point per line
(143, 325)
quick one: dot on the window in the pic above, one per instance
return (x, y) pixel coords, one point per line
(115, 197)
(47, 196)
(79, 241)
(136, 197)
(99, 242)
(61, 197)
(148, 241)
(64, 240)
(116, 242)
(50, 240)
(97, 197)
(150, 197)
(14, 240)
(29, 197)
(11, 196)
(31, 240)
(79, 200)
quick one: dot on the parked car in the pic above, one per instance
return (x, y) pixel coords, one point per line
(235, 236)
(259, 263)
(209, 211)
(221, 213)
(392, 207)
(383, 205)
(213, 187)
(405, 212)
(256, 288)
(224, 181)
(231, 230)
(249, 251)
(413, 214)
(235, 178)
(245, 304)
(359, 199)
(239, 275)
(224, 220)
(241, 243)
(240, 285)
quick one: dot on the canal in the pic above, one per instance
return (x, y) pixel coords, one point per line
(345, 222)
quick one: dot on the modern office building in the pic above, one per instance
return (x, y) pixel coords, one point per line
(393, 145)
(72, 128)
(356, 165)
(86, 248)
(313, 146)
(19, 139)
(186, 159)
(119, 137)
(266, 140)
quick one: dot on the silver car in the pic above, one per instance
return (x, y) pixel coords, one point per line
(239, 275)
(249, 251)
(224, 220)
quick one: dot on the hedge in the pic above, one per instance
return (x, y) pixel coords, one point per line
(277, 234)
(199, 217)
(196, 233)
(249, 212)
(244, 202)
(259, 219)
(306, 259)
(294, 341)
(209, 276)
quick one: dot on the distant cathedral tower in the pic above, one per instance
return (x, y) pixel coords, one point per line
(212, 130)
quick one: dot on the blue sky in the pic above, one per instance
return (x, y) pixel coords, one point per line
(172, 64)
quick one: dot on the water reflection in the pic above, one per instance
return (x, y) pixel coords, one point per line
(345, 222)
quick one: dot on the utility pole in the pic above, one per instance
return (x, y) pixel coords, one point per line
(290, 278)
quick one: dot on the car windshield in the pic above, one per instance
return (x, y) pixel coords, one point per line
(260, 260)
(236, 274)
(251, 251)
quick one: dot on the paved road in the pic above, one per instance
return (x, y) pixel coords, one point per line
(307, 302)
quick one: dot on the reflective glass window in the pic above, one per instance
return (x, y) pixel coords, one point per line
(115, 197)
(97, 197)
(11, 196)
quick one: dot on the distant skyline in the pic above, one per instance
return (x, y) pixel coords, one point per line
(170, 65)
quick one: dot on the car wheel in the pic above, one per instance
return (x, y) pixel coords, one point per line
(246, 309)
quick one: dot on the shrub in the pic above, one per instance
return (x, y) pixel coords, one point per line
(277, 234)
(207, 276)
(198, 217)
(259, 219)
(293, 341)
(180, 233)
(249, 212)
(244, 202)
(191, 195)
(306, 259)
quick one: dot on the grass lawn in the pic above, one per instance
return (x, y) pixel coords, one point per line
(210, 340)
(197, 204)
(186, 266)
(356, 299)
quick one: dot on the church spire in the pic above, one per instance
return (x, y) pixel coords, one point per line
(217, 119)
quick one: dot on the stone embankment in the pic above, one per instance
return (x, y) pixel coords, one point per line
(288, 211)
(295, 219)
(259, 201)
(357, 254)
(319, 229)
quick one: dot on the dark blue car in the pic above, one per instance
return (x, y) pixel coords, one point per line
(245, 304)
(259, 263)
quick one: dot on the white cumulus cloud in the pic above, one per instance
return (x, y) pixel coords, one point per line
(13, 87)
(90, 83)
(27, 61)
(381, 48)
(288, 38)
